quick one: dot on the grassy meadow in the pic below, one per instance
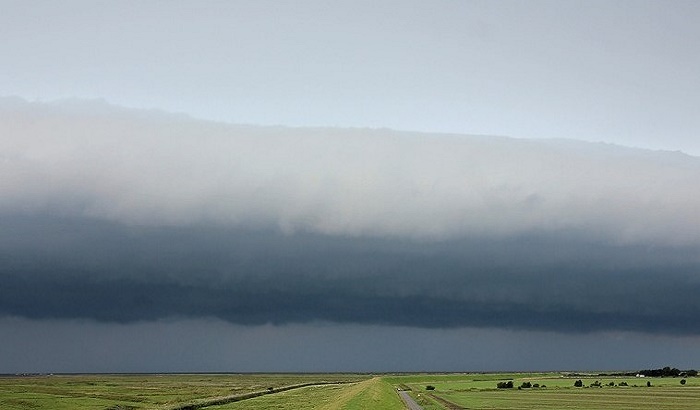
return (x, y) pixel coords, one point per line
(375, 393)
(344, 391)
(161, 392)
(478, 391)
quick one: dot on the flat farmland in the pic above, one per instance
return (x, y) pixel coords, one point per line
(170, 391)
(478, 391)
(375, 394)
(343, 391)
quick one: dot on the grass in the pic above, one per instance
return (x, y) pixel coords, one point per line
(354, 392)
(378, 394)
(374, 394)
(478, 391)
(659, 398)
(157, 392)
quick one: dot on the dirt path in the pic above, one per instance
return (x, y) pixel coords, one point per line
(412, 405)
(448, 404)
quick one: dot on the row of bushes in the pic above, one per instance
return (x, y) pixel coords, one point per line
(525, 385)
(577, 383)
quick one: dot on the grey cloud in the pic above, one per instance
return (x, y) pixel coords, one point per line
(73, 268)
(136, 167)
(118, 215)
(188, 346)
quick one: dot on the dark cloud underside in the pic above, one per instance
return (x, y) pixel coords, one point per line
(76, 268)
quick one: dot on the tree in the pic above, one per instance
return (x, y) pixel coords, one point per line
(578, 383)
(683, 381)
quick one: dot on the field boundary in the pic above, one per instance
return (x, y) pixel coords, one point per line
(219, 401)
(448, 404)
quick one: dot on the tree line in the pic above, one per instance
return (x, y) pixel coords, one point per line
(667, 371)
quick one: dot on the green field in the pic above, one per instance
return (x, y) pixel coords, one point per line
(374, 393)
(100, 392)
(478, 391)
(343, 391)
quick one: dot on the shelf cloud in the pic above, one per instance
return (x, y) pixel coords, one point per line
(121, 215)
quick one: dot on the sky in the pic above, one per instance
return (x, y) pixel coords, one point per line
(349, 186)
(620, 71)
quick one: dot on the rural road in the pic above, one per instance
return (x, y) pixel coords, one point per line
(412, 405)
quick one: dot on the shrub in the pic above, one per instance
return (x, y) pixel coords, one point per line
(623, 384)
(429, 387)
(505, 385)
(578, 383)
(611, 384)
(682, 381)
(648, 384)
(526, 385)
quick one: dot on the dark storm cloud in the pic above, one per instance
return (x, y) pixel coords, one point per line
(124, 216)
(546, 282)
(214, 346)
(202, 345)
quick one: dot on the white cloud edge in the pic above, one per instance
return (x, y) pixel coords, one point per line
(145, 167)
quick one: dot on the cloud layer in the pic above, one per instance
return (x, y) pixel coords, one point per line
(215, 346)
(121, 216)
(93, 160)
